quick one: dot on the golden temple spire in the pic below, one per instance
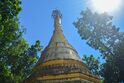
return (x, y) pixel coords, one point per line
(57, 34)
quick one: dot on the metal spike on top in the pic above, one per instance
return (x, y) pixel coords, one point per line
(56, 13)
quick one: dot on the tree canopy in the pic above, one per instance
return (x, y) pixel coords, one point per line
(93, 64)
(16, 56)
(100, 34)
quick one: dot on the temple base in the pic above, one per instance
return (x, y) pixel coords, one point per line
(64, 81)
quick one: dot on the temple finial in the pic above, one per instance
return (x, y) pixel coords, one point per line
(57, 18)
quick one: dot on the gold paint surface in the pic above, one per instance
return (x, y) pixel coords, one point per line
(57, 62)
(69, 76)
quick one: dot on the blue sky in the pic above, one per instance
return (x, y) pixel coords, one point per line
(36, 18)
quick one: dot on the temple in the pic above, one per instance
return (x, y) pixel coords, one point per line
(60, 62)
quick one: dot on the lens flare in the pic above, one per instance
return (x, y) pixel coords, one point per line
(106, 5)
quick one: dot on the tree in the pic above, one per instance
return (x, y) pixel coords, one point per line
(93, 64)
(16, 56)
(98, 31)
(101, 34)
(119, 58)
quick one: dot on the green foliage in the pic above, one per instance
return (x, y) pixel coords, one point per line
(118, 59)
(93, 64)
(16, 57)
(101, 34)
(98, 31)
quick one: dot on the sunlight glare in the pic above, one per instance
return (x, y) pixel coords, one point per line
(106, 5)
